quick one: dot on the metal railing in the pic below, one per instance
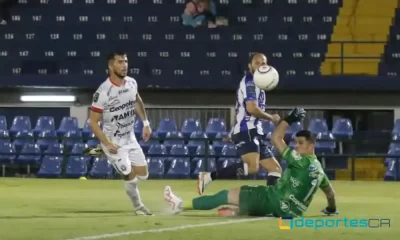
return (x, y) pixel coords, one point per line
(344, 56)
(352, 155)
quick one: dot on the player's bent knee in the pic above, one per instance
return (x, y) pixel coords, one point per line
(142, 177)
(271, 165)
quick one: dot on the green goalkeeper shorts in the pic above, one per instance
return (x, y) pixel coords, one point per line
(254, 201)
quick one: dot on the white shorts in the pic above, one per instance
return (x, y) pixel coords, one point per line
(127, 156)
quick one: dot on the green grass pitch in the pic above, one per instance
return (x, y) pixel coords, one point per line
(67, 209)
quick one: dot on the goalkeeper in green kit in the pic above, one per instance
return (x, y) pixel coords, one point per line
(290, 197)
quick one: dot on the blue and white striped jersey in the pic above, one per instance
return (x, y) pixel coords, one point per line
(248, 91)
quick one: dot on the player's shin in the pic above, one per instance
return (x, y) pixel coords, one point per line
(209, 202)
(231, 171)
(131, 189)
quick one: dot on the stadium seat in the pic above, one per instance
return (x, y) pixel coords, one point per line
(392, 170)
(200, 166)
(20, 123)
(101, 168)
(156, 150)
(21, 138)
(318, 125)
(146, 145)
(268, 127)
(201, 151)
(87, 131)
(219, 144)
(46, 138)
(30, 154)
(180, 168)
(342, 128)
(173, 138)
(262, 173)
(67, 124)
(3, 123)
(92, 141)
(51, 167)
(4, 136)
(77, 151)
(391, 153)
(194, 144)
(44, 123)
(166, 125)
(214, 126)
(190, 126)
(229, 151)
(7, 153)
(396, 128)
(71, 137)
(325, 146)
(224, 162)
(55, 149)
(76, 167)
(395, 141)
(156, 167)
(293, 129)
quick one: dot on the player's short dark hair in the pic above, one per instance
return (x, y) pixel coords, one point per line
(253, 55)
(112, 55)
(307, 135)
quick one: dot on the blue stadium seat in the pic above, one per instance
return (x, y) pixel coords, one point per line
(194, 144)
(342, 128)
(101, 168)
(180, 168)
(20, 123)
(7, 153)
(391, 152)
(201, 151)
(200, 166)
(67, 124)
(214, 126)
(293, 128)
(318, 125)
(71, 137)
(166, 125)
(23, 137)
(146, 145)
(44, 123)
(30, 154)
(392, 170)
(219, 144)
(4, 136)
(87, 131)
(396, 128)
(156, 167)
(262, 173)
(51, 167)
(3, 123)
(93, 140)
(179, 150)
(325, 146)
(173, 138)
(77, 151)
(268, 127)
(54, 149)
(76, 167)
(224, 162)
(189, 126)
(46, 138)
(395, 141)
(229, 151)
(156, 150)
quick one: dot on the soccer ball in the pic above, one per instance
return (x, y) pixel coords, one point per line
(266, 77)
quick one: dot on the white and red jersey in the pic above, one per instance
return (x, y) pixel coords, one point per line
(117, 103)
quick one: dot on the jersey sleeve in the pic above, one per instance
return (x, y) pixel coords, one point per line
(99, 101)
(325, 182)
(249, 91)
(292, 157)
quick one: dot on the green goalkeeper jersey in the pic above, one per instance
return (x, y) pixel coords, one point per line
(298, 184)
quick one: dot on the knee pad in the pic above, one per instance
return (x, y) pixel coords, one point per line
(142, 178)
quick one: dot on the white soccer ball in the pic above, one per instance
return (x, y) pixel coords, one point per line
(266, 77)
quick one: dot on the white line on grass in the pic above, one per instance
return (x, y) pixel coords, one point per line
(170, 229)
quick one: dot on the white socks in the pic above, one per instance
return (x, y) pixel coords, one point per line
(132, 190)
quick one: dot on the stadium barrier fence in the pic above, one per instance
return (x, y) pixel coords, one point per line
(352, 154)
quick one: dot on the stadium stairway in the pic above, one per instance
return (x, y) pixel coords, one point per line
(371, 169)
(360, 20)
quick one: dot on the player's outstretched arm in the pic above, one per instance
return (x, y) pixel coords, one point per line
(253, 109)
(95, 118)
(140, 109)
(330, 196)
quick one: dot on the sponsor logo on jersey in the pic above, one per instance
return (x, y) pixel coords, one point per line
(121, 125)
(312, 168)
(295, 182)
(123, 115)
(315, 174)
(96, 97)
(123, 91)
(123, 106)
(110, 98)
(298, 204)
(121, 135)
(296, 155)
(285, 206)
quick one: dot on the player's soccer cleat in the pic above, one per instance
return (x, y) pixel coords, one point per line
(175, 204)
(93, 151)
(142, 211)
(329, 213)
(202, 182)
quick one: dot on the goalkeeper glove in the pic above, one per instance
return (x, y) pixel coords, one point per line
(296, 115)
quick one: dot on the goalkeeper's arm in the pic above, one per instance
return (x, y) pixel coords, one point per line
(330, 196)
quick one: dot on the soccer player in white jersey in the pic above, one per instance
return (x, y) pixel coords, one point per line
(248, 133)
(114, 103)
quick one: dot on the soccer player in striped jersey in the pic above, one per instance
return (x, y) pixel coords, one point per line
(248, 133)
